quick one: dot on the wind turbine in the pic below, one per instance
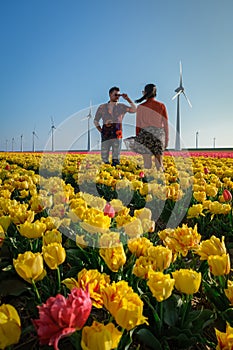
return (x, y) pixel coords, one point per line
(12, 144)
(53, 127)
(33, 140)
(88, 117)
(21, 143)
(179, 91)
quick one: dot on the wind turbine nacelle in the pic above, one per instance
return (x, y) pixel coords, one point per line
(180, 88)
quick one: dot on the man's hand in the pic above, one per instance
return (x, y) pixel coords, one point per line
(126, 97)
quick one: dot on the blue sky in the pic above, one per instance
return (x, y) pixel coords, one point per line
(58, 55)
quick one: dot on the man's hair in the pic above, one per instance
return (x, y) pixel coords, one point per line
(113, 89)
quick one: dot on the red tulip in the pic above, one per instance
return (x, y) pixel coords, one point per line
(109, 210)
(227, 195)
(7, 167)
(206, 171)
(141, 174)
(60, 316)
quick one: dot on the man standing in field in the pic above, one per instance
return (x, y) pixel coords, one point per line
(112, 114)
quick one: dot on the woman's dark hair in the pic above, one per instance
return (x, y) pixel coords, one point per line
(150, 91)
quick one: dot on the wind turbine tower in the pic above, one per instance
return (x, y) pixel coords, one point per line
(21, 143)
(12, 144)
(179, 91)
(33, 140)
(89, 131)
(53, 127)
(88, 117)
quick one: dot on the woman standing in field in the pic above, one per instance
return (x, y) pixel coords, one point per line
(151, 129)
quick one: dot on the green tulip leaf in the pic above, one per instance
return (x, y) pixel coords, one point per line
(183, 338)
(205, 318)
(170, 310)
(146, 338)
(12, 287)
(227, 315)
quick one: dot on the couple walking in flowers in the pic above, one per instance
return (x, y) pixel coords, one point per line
(151, 126)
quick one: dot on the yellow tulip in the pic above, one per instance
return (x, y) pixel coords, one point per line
(100, 337)
(94, 281)
(195, 211)
(39, 202)
(161, 257)
(30, 266)
(134, 228)
(148, 225)
(117, 205)
(5, 222)
(109, 240)
(143, 266)
(187, 281)
(211, 190)
(219, 208)
(200, 196)
(52, 236)
(96, 221)
(58, 210)
(138, 246)
(161, 286)
(20, 214)
(2, 236)
(212, 246)
(225, 340)
(51, 222)
(219, 264)
(80, 241)
(54, 255)
(114, 257)
(124, 305)
(181, 239)
(144, 213)
(10, 326)
(32, 230)
(229, 291)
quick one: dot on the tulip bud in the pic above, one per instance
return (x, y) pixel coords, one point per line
(109, 210)
(227, 195)
(141, 174)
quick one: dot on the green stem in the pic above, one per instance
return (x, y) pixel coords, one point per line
(36, 291)
(222, 281)
(186, 301)
(58, 280)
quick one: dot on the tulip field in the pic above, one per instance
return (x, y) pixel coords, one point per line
(96, 257)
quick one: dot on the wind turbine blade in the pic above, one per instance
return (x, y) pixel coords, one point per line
(85, 118)
(180, 74)
(187, 99)
(178, 93)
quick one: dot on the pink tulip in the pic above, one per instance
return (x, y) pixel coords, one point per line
(141, 174)
(60, 316)
(109, 210)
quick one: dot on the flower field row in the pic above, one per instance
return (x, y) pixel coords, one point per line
(100, 257)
